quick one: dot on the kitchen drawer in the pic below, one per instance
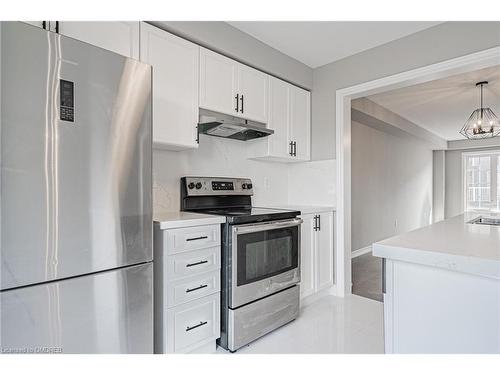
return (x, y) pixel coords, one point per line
(193, 324)
(192, 238)
(191, 288)
(193, 263)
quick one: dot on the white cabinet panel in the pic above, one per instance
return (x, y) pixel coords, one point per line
(279, 142)
(324, 250)
(218, 82)
(317, 251)
(300, 122)
(192, 238)
(175, 64)
(289, 117)
(253, 87)
(307, 259)
(193, 324)
(116, 36)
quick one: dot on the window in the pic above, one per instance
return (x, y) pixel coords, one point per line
(482, 181)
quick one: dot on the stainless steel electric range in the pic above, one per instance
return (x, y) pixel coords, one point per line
(260, 257)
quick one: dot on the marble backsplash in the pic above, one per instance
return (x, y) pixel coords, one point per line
(275, 184)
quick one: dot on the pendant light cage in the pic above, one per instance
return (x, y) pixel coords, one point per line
(482, 123)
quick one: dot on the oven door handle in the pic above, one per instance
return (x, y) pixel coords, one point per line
(260, 227)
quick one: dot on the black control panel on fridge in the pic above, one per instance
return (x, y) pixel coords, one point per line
(67, 101)
(220, 185)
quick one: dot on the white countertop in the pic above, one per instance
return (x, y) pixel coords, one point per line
(452, 244)
(180, 219)
(306, 209)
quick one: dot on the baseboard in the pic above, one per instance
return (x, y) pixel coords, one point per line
(359, 252)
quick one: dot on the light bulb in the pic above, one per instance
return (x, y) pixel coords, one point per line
(491, 123)
(479, 122)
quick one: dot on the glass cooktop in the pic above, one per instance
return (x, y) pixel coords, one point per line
(253, 214)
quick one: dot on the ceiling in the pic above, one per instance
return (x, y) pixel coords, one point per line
(442, 106)
(317, 43)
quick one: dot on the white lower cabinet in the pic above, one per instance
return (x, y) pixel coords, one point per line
(187, 289)
(317, 249)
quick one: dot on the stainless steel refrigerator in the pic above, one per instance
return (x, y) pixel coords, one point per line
(76, 210)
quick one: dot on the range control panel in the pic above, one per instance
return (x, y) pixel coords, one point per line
(217, 186)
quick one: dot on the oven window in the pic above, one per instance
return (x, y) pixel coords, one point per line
(265, 254)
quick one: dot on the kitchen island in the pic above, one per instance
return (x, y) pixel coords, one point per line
(442, 287)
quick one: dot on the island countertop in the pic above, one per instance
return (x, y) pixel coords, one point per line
(453, 244)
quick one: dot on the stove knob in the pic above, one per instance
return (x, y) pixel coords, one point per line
(249, 186)
(198, 185)
(244, 186)
(191, 185)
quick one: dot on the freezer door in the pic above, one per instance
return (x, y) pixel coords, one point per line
(108, 312)
(75, 158)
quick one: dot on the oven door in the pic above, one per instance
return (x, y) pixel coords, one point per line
(264, 259)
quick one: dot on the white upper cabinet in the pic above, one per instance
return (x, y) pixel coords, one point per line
(289, 114)
(119, 37)
(218, 83)
(278, 143)
(226, 86)
(116, 36)
(175, 63)
(300, 123)
(253, 87)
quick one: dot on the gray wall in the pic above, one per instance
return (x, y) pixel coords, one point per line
(453, 182)
(441, 42)
(391, 185)
(228, 40)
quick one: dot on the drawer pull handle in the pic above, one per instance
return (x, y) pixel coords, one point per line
(197, 288)
(197, 263)
(196, 326)
(197, 238)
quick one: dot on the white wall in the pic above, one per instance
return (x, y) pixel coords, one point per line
(391, 185)
(438, 43)
(453, 181)
(275, 184)
(312, 183)
(216, 157)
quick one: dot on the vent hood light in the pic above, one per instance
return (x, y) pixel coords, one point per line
(225, 126)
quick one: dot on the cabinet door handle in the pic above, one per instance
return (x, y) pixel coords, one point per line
(294, 148)
(57, 27)
(195, 326)
(237, 97)
(197, 288)
(196, 263)
(315, 222)
(291, 148)
(242, 102)
(196, 238)
(319, 222)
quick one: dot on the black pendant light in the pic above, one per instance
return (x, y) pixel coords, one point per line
(482, 123)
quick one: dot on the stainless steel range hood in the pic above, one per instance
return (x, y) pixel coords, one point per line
(225, 126)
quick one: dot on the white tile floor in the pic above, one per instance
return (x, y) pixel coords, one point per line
(329, 325)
